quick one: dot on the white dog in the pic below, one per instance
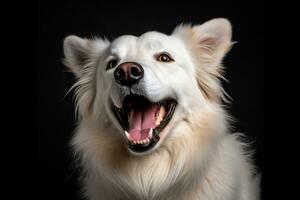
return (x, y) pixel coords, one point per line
(151, 122)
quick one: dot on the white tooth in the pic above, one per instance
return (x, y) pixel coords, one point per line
(162, 112)
(144, 141)
(147, 140)
(158, 120)
(127, 134)
(134, 142)
(150, 133)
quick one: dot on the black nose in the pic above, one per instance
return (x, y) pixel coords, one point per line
(128, 73)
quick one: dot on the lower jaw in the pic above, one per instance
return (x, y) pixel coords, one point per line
(136, 149)
(142, 148)
(162, 137)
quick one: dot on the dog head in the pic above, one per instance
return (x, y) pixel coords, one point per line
(147, 85)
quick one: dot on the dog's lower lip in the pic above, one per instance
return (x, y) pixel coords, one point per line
(122, 116)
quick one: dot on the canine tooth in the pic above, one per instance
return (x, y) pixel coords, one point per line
(158, 120)
(150, 133)
(127, 134)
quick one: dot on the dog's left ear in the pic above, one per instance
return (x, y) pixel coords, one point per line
(80, 51)
(210, 41)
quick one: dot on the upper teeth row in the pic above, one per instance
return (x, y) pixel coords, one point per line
(150, 134)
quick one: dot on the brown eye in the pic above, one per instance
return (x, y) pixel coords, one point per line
(111, 64)
(164, 57)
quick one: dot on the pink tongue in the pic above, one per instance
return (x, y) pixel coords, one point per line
(141, 121)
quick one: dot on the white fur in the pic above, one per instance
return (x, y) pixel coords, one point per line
(196, 157)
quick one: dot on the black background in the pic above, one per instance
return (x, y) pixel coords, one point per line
(57, 178)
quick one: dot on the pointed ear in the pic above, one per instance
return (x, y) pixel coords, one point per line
(210, 41)
(79, 52)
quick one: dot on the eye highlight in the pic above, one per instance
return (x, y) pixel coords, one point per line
(164, 57)
(111, 64)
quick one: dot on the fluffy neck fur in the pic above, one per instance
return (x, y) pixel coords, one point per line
(105, 159)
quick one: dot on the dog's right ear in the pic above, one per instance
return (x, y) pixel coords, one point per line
(209, 41)
(79, 52)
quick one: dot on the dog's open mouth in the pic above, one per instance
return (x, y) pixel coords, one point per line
(143, 120)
